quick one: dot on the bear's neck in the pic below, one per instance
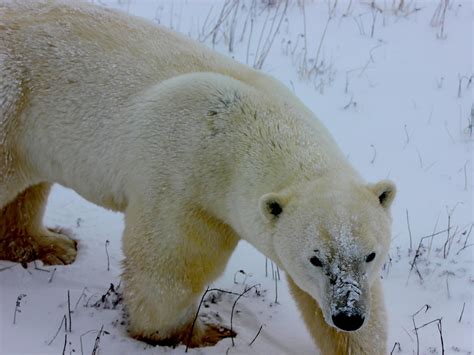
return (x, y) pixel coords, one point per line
(279, 168)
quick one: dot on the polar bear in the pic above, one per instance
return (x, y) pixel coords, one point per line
(198, 151)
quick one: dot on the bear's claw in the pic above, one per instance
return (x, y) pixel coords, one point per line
(203, 335)
(212, 335)
(57, 248)
(53, 248)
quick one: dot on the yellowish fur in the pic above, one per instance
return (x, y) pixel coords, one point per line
(194, 148)
(22, 235)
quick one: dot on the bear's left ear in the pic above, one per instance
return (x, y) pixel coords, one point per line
(271, 206)
(385, 191)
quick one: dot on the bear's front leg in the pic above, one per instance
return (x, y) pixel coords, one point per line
(168, 264)
(371, 339)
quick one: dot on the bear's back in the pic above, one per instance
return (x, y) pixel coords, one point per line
(66, 42)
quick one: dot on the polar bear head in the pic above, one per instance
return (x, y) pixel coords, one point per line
(332, 237)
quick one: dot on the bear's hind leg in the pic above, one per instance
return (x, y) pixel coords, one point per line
(22, 235)
(23, 238)
(167, 267)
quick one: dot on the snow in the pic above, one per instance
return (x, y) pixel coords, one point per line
(393, 102)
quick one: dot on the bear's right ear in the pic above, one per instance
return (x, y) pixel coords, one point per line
(271, 206)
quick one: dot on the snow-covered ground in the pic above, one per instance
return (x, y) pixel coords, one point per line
(392, 80)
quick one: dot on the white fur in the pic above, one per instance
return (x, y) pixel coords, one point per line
(190, 145)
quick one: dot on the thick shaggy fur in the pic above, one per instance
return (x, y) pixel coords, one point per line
(198, 152)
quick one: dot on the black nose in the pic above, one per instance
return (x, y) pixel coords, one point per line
(348, 322)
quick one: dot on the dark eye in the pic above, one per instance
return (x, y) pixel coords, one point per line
(274, 208)
(315, 261)
(370, 257)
